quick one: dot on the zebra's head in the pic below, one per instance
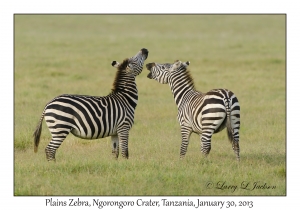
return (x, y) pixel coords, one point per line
(135, 63)
(161, 72)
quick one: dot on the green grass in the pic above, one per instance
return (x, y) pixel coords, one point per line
(56, 54)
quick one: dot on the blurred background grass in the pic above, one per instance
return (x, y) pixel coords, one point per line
(56, 54)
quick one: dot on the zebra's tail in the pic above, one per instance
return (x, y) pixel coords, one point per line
(37, 133)
(228, 122)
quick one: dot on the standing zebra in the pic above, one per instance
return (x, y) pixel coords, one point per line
(93, 117)
(201, 113)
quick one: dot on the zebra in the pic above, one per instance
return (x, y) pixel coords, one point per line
(94, 117)
(200, 113)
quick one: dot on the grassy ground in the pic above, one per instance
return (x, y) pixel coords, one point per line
(57, 54)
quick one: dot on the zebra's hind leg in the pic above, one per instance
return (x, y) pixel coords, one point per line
(50, 153)
(185, 137)
(58, 136)
(206, 142)
(115, 146)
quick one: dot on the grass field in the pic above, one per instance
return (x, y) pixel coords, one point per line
(56, 54)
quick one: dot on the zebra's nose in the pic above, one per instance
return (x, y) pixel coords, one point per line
(149, 66)
(145, 52)
(149, 75)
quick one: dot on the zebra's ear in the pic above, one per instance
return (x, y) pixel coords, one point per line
(175, 65)
(115, 64)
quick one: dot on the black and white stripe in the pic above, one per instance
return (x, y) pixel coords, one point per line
(93, 117)
(201, 113)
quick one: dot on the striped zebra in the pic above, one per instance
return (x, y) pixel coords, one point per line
(201, 113)
(94, 117)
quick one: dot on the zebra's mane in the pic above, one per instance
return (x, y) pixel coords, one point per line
(121, 72)
(186, 75)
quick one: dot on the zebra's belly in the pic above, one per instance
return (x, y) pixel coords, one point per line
(78, 134)
(84, 131)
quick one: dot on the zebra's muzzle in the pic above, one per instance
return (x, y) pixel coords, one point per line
(149, 76)
(145, 52)
(149, 66)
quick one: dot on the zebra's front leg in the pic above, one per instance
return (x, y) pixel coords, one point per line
(185, 137)
(206, 142)
(123, 140)
(115, 146)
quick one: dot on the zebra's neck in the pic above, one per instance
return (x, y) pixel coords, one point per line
(181, 84)
(125, 85)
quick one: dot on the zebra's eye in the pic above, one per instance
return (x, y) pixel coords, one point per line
(163, 68)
